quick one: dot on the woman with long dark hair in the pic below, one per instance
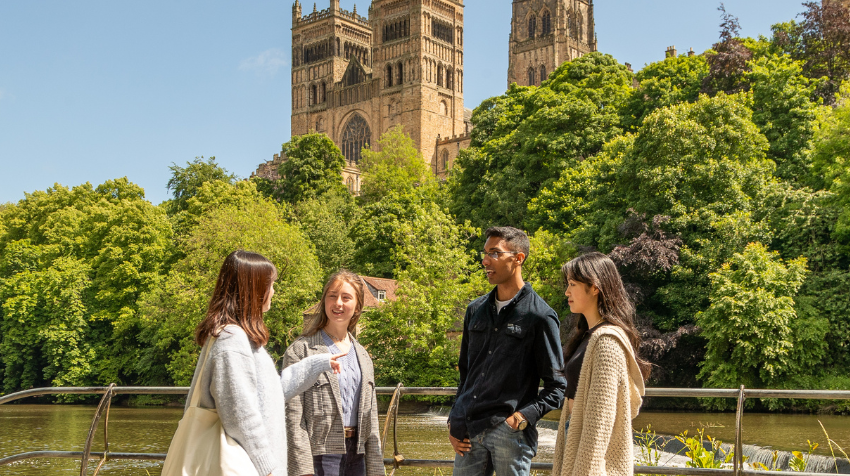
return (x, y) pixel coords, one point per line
(605, 376)
(333, 427)
(237, 376)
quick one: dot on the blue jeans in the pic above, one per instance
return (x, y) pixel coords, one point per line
(349, 464)
(501, 449)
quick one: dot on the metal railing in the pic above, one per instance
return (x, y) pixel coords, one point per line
(397, 393)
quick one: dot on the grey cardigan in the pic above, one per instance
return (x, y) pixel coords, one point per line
(242, 384)
(314, 418)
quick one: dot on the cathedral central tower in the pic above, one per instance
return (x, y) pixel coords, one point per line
(355, 77)
(546, 33)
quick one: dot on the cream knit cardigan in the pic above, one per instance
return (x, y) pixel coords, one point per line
(610, 392)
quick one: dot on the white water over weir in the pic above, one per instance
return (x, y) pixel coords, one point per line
(670, 463)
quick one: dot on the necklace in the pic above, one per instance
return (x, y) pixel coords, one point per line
(336, 339)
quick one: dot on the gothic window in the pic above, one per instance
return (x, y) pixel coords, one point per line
(547, 23)
(445, 160)
(338, 53)
(543, 76)
(442, 31)
(355, 136)
(580, 27)
(571, 22)
(531, 77)
(450, 80)
(324, 91)
(532, 26)
(389, 75)
(349, 182)
(399, 29)
(400, 69)
(440, 73)
(313, 95)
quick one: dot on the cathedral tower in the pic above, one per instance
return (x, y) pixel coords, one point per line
(546, 33)
(354, 78)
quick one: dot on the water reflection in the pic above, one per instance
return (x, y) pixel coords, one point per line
(420, 435)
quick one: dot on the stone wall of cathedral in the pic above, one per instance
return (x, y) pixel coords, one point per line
(545, 34)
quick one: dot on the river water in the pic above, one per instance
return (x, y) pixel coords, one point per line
(421, 435)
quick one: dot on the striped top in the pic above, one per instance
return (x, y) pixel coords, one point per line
(350, 379)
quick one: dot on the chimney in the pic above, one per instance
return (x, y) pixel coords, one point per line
(629, 67)
(671, 52)
(691, 52)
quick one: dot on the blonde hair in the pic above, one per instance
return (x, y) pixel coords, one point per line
(319, 319)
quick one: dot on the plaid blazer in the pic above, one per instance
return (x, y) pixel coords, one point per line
(314, 418)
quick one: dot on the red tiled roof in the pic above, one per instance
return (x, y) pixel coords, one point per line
(370, 300)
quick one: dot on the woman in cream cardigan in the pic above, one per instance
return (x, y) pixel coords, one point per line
(605, 377)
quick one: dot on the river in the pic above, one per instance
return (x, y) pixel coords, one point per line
(421, 435)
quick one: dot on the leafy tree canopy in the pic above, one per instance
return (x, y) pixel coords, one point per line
(185, 181)
(396, 166)
(313, 167)
(529, 135)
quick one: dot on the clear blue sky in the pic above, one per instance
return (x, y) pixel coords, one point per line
(94, 90)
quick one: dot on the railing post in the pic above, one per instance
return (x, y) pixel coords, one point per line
(738, 460)
(105, 403)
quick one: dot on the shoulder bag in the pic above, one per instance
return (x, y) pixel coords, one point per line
(200, 446)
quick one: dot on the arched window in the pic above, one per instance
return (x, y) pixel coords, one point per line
(580, 27)
(571, 22)
(314, 98)
(324, 92)
(543, 76)
(547, 23)
(531, 79)
(444, 110)
(389, 75)
(445, 160)
(440, 75)
(532, 26)
(400, 69)
(355, 136)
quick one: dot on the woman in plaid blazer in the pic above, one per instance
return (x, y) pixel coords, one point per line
(332, 428)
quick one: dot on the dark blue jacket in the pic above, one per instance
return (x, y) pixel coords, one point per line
(503, 358)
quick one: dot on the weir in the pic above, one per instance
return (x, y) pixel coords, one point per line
(817, 464)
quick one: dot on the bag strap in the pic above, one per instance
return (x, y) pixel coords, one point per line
(196, 395)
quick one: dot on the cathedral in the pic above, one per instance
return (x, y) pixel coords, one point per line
(355, 77)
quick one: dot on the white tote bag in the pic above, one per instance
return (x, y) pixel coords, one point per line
(200, 447)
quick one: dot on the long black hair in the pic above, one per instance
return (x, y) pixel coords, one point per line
(596, 269)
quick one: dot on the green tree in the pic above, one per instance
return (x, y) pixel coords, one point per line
(173, 309)
(783, 110)
(529, 135)
(73, 263)
(313, 167)
(665, 83)
(415, 340)
(328, 221)
(748, 324)
(831, 161)
(397, 166)
(185, 181)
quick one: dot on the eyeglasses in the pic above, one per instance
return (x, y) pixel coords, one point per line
(495, 254)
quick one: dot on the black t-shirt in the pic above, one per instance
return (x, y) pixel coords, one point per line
(573, 368)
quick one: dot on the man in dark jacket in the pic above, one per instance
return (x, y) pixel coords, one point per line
(510, 343)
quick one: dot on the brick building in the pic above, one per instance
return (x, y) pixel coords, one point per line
(545, 34)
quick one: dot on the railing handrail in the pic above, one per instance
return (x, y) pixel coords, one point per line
(740, 394)
(451, 391)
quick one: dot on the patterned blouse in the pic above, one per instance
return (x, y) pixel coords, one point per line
(350, 379)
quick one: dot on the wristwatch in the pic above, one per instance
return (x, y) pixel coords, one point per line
(522, 423)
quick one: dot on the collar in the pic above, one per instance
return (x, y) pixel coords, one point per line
(521, 294)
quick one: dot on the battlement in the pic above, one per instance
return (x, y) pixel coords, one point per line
(319, 15)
